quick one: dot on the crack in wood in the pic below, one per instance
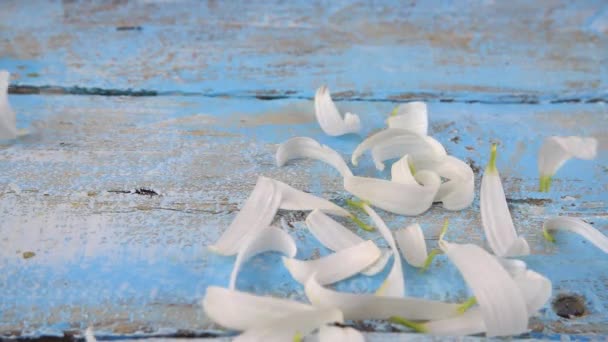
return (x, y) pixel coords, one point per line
(270, 95)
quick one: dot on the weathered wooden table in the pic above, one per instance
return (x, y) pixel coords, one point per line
(155, 118)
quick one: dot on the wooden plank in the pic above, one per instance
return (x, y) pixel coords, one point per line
(487, 51)
(131, 263)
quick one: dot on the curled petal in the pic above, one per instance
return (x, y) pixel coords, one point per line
(260, 208)
(398, 198)
(329, 117)
(336, 237)
(395, 143)
(379, 264)
(495, 215)
(412, 245)
(8, 120)
(272, 239)
(393, 285)
(335, 267)
(501, 302)
(241, 311)
(412, 116)
(402, 171)
(577, 226)
(295, 324)
(294, 199)
(339, 334)
(256, 215)
(368, 306)
(459, 191)
(303, 147)
(555, 151)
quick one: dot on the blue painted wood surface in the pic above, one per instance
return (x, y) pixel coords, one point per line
(136, 264)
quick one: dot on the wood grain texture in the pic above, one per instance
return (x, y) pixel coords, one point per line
(106, 208)
(469, 51)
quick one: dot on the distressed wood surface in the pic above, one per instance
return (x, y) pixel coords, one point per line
(117, 196)
(470, 51)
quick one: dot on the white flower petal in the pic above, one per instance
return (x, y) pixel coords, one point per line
(8, 120)
(555, 151)
(260, 208)
(501, 302)
(340, 334)
(329, 117)
(89, 335)
(330, 233)
(469, 323)
(336, 237)
(459, 191)
(256, 215)
(395, 143)
(286, 328)
(412, 116)
(369, 306)
(401, 171)
(579, 227)
(535, 288)
(303, 147)
(272, 239)
(513, 266)
(412, 245)
(398, 198)
(394, 284)
(241, 311)
(379, 264)
(335, 267)
(495, 215)
(293, 199)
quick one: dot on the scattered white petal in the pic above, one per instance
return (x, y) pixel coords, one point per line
(469, 323)
(329, 117)
(330, 233)
(401, 171)
(241, 311)
(369, 306)
(8, 120)
(394, 284)
(513, 266)
(260, 208)
(412, 116)
(379, 264)
(295, 324)
(294, 199)
(303, 147)
(555, 151)
(495, 215)
(398, 198)
(535, 288)
(412, 245)
(272, 239)
(395, 143)
(340, 334)
(336, 237)
(501, 302)
(459, 191)
(335, 267)
(579, 227)
(256, 215)
(89, 336)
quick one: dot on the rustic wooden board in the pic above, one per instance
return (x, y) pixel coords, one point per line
(127, 262)
(226, 83)
(491, 51)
